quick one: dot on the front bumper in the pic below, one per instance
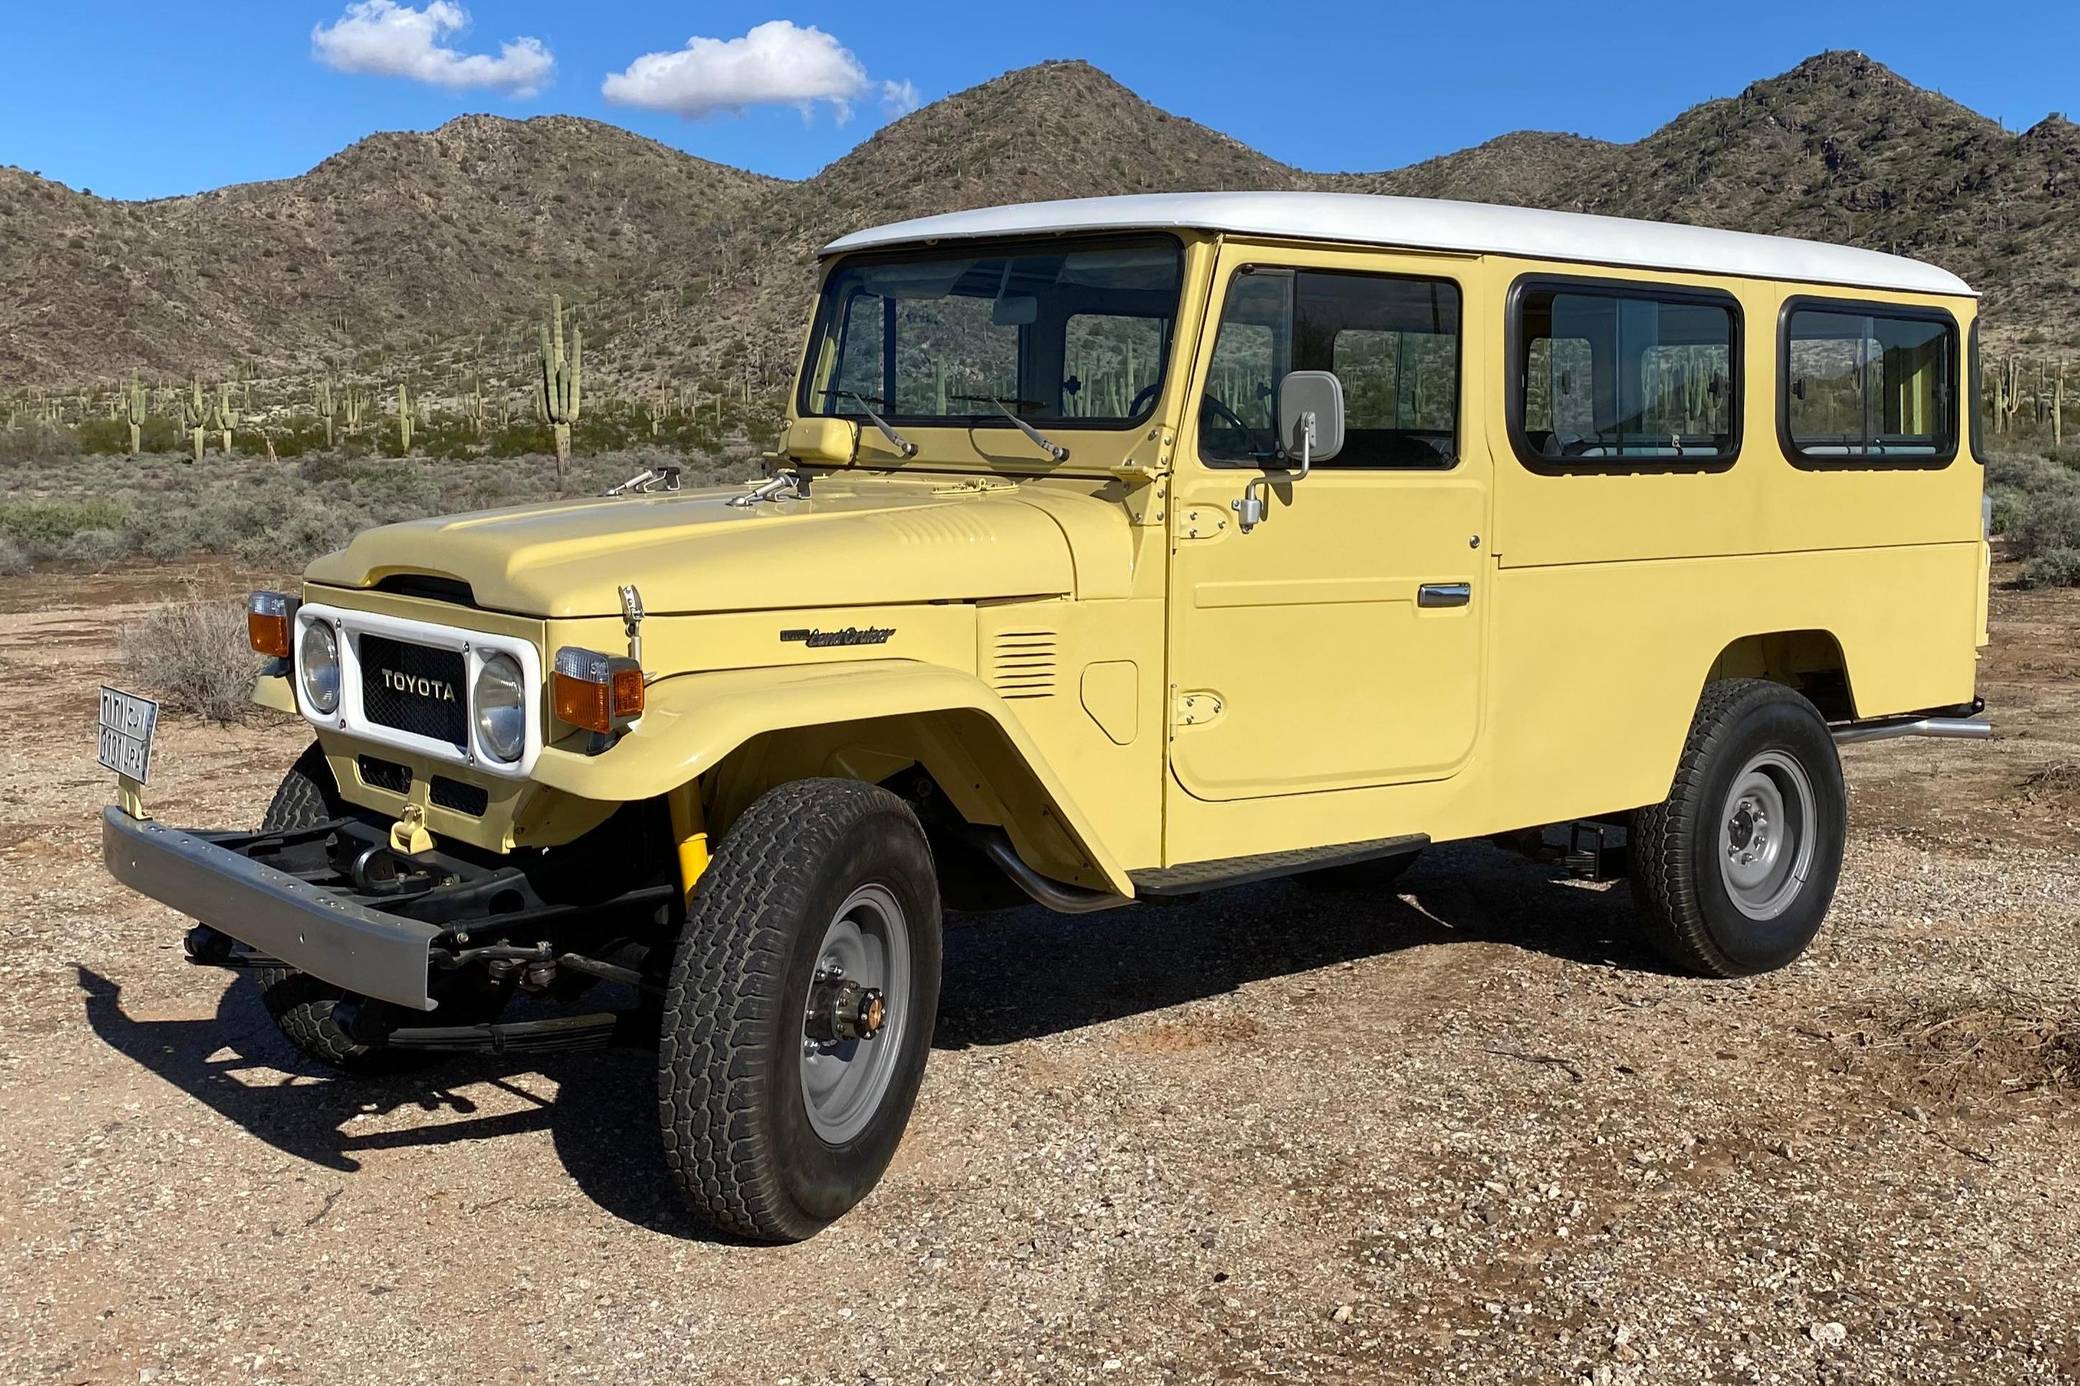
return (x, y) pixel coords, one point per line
(307, 927)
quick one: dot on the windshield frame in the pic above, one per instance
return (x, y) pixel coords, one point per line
(983, 415)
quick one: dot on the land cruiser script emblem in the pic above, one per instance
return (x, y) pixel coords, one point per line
(851, 635)
(437, 689)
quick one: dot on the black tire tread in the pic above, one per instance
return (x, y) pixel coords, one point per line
(726, 980)
(1664, 885)
(301, 1004)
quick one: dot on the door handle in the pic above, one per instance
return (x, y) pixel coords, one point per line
(1444, 594)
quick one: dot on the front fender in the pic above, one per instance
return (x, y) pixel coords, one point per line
(690, 723)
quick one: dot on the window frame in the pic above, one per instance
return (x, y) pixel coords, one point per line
(982, 248)
(1975, 382)
(1216, 320)
(1824, 303)
(1516, 386)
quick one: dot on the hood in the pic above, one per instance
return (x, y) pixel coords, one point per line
(850, 544)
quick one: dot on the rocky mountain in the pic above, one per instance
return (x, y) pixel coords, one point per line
(702, 271)
(397, 239)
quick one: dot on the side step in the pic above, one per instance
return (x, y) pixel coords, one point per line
(1194, 877)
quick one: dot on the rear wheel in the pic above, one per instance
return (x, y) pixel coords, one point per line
(800, 1009)
(1734, 872)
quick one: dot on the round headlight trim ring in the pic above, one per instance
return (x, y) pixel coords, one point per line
(498, 709)
(318, 674)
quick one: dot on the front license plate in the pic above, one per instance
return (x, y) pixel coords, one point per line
(127, 724)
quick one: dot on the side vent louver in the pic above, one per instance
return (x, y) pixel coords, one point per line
(1021, 664)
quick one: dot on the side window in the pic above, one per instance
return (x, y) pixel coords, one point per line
(1869, 385)
(1392, 341)
(1624, 374)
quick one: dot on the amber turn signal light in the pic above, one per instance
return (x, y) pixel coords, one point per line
(598, 692)
(269, 618)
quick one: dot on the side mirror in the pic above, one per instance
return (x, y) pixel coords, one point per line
(829, 442)
(1310, 430)
(1310, 417)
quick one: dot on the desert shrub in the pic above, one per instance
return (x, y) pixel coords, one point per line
(101, 437)
(194, 656)
(44, 527)
(95, 548)
(2048, 523)
(2054, 568)
(13, 561)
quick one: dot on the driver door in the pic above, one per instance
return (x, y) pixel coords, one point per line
(1337, 643)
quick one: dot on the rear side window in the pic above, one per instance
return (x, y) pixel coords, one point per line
(1869, 385)
(1623, 375)
(1392, 341)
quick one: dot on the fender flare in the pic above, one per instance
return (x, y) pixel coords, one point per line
(692, 722)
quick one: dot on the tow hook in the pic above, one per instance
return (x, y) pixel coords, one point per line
(844, 1010)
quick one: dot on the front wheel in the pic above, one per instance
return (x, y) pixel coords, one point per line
(800, 1009)
(1734, 871)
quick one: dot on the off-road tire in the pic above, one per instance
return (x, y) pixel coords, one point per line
(738, 1137)
(1374, 876)
(302, 1005)
(1685, 907)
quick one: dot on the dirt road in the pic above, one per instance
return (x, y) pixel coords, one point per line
(1263, 1136)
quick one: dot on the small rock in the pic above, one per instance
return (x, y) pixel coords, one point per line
(1342, 1314)
(1828, 1334)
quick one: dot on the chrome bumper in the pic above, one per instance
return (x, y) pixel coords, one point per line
(307, 927)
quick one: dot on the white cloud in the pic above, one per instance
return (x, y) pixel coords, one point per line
(776, 64)
(385, 39)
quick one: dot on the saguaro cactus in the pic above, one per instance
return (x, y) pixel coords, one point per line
(404, 418)
(328, 408)
(559, 393)
(134, 411)
(194, 415)
(354, 405)
(224, 416)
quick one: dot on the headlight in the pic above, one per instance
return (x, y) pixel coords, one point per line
(501, 708)
(320, 665)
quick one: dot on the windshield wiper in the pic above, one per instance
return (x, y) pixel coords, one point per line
(1048, 445)
(903, 445)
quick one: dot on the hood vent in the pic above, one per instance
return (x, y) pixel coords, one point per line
(1021, 664)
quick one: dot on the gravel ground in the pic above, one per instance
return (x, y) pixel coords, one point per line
(1268, 1135)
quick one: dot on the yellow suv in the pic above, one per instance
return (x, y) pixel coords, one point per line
(1118, 549)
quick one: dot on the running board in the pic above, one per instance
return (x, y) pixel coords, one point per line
(1194, 877)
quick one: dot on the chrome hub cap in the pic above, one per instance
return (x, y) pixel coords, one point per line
(1766, 839)
(857, 1012)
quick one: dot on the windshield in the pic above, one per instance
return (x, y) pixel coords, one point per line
(1064, 336)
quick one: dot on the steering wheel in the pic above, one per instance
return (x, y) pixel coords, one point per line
(1141, 397)
(1214, 403)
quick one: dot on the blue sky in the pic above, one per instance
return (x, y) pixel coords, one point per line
(142, 98)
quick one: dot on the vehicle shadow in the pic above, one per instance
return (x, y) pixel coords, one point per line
(236, 1062)
(1025, 973)
(1016, 974)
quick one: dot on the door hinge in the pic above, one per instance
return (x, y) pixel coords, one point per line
(1201, 522)
(1194, 709)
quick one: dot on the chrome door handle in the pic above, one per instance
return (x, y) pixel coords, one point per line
(1444, 594)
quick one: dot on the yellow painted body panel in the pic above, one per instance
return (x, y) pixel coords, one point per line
(1094, 656)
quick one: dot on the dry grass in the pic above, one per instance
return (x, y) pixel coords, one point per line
(193, 655)
(2011, 1044)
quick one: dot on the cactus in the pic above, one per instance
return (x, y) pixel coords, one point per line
(559, 392)
(224, 416)
(404, 419)
(134, 411)
(353, 406)
(328, 408)
(194, 414)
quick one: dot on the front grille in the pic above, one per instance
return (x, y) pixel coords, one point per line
(414, 688)
(463, 798)
(378, 773)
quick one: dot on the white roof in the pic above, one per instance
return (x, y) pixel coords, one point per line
(1434, 224)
